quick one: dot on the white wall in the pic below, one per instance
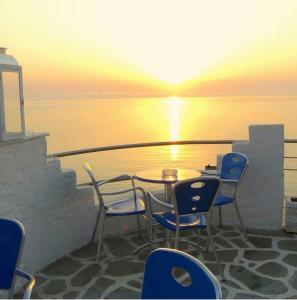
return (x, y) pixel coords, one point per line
(56, 215)
(261, 193)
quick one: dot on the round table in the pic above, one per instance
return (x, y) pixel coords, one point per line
(156, 176)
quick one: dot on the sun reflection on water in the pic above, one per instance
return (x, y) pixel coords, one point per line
(174, 128)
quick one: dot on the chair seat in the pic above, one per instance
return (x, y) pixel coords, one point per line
(168, 220)
(221, 200)
(125, 207)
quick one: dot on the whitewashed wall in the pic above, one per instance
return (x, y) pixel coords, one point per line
(57, 216)
(261, 193)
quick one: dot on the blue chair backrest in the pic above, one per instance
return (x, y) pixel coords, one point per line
(159, 280)
(11, 244)
(233, 166)
(195, 195)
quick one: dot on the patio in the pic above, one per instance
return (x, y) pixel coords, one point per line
(263, 267)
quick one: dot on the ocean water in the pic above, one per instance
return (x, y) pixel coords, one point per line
(77, 124)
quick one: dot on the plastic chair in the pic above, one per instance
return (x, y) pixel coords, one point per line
(233, 168)
(12, 236)
(160, 282)
(192, 200)
(135, 206)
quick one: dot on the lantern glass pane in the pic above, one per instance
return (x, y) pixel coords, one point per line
(12, 103)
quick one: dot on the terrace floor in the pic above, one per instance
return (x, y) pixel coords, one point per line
(263, 267)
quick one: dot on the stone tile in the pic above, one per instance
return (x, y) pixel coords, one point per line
(260, 242)
(260, 255)
(239, 243)
(123, 268)
(91, 294)
(54, 287)
(256, 282)
(222, 242)
(224, 255)
(85, 275)
(290, 245)
(123, 293)
(135, 284)
(247, 296)
(231, 234)
(86, 251)
(272, 233)
(226, 228)
(213, 267)
(102, 284)
(251, 265)
(142, 255)
(293, 280)
(119, 246)
(64, 266)
(232, 284)
(34, 295)
(291, 259)
(70, 295)
(272, 269)
(39, 280)
(225, 293)
(139, 241)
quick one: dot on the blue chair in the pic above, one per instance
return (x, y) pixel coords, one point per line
(232, 170)
(135, 206)
(12, 235)
(192, 200)
(160, 282)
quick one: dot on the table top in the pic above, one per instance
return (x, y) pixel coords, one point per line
(156, 176)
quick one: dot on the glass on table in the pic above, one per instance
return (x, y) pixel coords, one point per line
(169, 174)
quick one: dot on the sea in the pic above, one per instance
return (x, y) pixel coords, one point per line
(75, 124)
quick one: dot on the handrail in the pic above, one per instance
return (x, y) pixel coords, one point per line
(141, 145)
(151, 144)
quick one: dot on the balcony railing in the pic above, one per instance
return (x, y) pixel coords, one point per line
(157, 144)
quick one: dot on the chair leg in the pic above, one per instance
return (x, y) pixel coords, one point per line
(209, 226)
(149, 227)
(240, 220)
(220, 216)
(176, 238)
(198, 241)
(168, 243)
(95, 227)
(215, 254)
(101, 229)
(138, 226)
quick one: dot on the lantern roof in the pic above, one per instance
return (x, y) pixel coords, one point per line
(7, 60)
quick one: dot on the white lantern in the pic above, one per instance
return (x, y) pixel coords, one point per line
(12, 121)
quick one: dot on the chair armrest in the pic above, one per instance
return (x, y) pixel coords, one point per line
(30, 278)
(133, 189)
(115, 178)
(210, 172)
(229, 181)
(150, 195)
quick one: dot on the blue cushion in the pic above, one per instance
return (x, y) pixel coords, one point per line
(221, 200)
(125, 208)
(168, 220)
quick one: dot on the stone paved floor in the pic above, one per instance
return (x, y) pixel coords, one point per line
(263, 267)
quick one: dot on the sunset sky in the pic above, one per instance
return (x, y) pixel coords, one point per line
(153, 47)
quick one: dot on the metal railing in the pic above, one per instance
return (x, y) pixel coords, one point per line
(156, 144)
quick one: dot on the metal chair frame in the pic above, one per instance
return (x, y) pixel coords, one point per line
(18, 272)
(235, 183)
(101, 216)
(206, 214)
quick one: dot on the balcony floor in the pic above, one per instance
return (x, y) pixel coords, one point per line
(263, 267)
